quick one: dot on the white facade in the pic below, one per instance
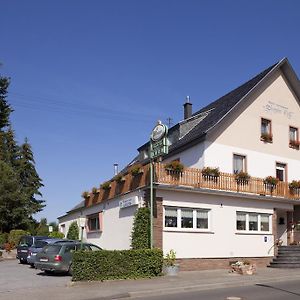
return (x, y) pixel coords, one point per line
(222, 239)
(116, 222)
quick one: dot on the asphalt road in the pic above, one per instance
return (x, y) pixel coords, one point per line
(16, 278)
(277, 291)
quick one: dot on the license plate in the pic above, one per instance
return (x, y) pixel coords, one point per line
(43, 259)
(24, 251)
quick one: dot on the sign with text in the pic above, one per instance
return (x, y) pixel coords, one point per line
(129, 202)
(158, 141)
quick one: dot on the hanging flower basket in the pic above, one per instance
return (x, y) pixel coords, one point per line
(242, 178)
(136, 170)
(85, 195)
(294, 187)
(119, 178)
(210, 173)
(94, 190)
(174, 166)
(271, 181)
(294, 144)
(266, 137)
(105, 186)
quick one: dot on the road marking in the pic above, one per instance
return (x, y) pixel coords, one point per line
(233, 298)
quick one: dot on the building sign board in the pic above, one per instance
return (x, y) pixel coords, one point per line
(158, 141)
(129, 202)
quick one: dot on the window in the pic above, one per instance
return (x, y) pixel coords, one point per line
(294, 137)
(281, 171)
(252, 222)
(239, 163)
(171, 217)
(266, 130)
(202, 219)
(187, 218)
(264, 222)
(93, 223)
(240, 221)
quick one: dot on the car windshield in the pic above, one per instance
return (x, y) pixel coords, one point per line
(26, 241)
(52, 249)
(40, 244)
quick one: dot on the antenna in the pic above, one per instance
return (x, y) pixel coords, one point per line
(169, 121)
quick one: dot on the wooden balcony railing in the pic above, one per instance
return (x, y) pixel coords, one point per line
(193, 177)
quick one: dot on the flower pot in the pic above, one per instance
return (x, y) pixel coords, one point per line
(171, 270)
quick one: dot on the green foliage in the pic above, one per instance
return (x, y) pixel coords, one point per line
(56, 234)
(43, 228)
(105, 265)
(73, 232)
(3, 239)
(106, 185)
(170, 258)
(15, 236)
(136, 169)
(140, 236)
(174, 166)
(20, 182)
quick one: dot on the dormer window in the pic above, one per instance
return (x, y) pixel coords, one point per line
(266, 131)
(294, 137)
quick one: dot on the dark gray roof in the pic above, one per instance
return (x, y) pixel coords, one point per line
(78, 206)
(216, 110)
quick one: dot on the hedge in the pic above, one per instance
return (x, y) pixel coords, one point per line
(117, 264)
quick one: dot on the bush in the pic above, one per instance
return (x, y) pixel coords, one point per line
(123, 264)
(56, 234)
(3, 239)
(73, 232)
(15, 236)
(140, 236)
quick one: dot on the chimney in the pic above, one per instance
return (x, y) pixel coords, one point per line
(187, 108)
(116, 169)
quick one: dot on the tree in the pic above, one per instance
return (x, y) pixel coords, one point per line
(140, 236)
(20, 183)
(73, 232)
(43, 228)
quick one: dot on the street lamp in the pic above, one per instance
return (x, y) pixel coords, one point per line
(82, 225)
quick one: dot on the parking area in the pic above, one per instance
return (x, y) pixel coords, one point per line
(19, 279)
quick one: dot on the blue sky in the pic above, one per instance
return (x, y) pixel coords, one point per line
(89, 79)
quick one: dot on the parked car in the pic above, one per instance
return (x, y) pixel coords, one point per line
(26, 242)
(39, 245)
(58, 257)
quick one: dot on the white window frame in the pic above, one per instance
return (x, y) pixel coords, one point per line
(194, 229)
(259, 231)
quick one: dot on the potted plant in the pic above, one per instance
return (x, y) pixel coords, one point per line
(243, 267)
(85, 195)
(242, 177)
(170, 266)
(119, 178)
(294, 144)
(105, 186)
(135, 170)
(94, 190)
(294, 186)
(210, 173)
(266, 137)
(271, 181)
(174, 166)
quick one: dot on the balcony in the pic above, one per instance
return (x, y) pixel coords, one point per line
(193, 178)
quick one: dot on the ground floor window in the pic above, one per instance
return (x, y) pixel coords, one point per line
(93, 223)
(253, 222)
(186, 218)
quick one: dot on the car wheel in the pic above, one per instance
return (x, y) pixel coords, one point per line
(48, 272)
(32, 265)
(22, 261)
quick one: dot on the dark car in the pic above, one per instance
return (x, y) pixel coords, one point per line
(58, 257)
(26, 242)
(39, 245)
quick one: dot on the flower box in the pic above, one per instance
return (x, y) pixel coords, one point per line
(267, 137)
